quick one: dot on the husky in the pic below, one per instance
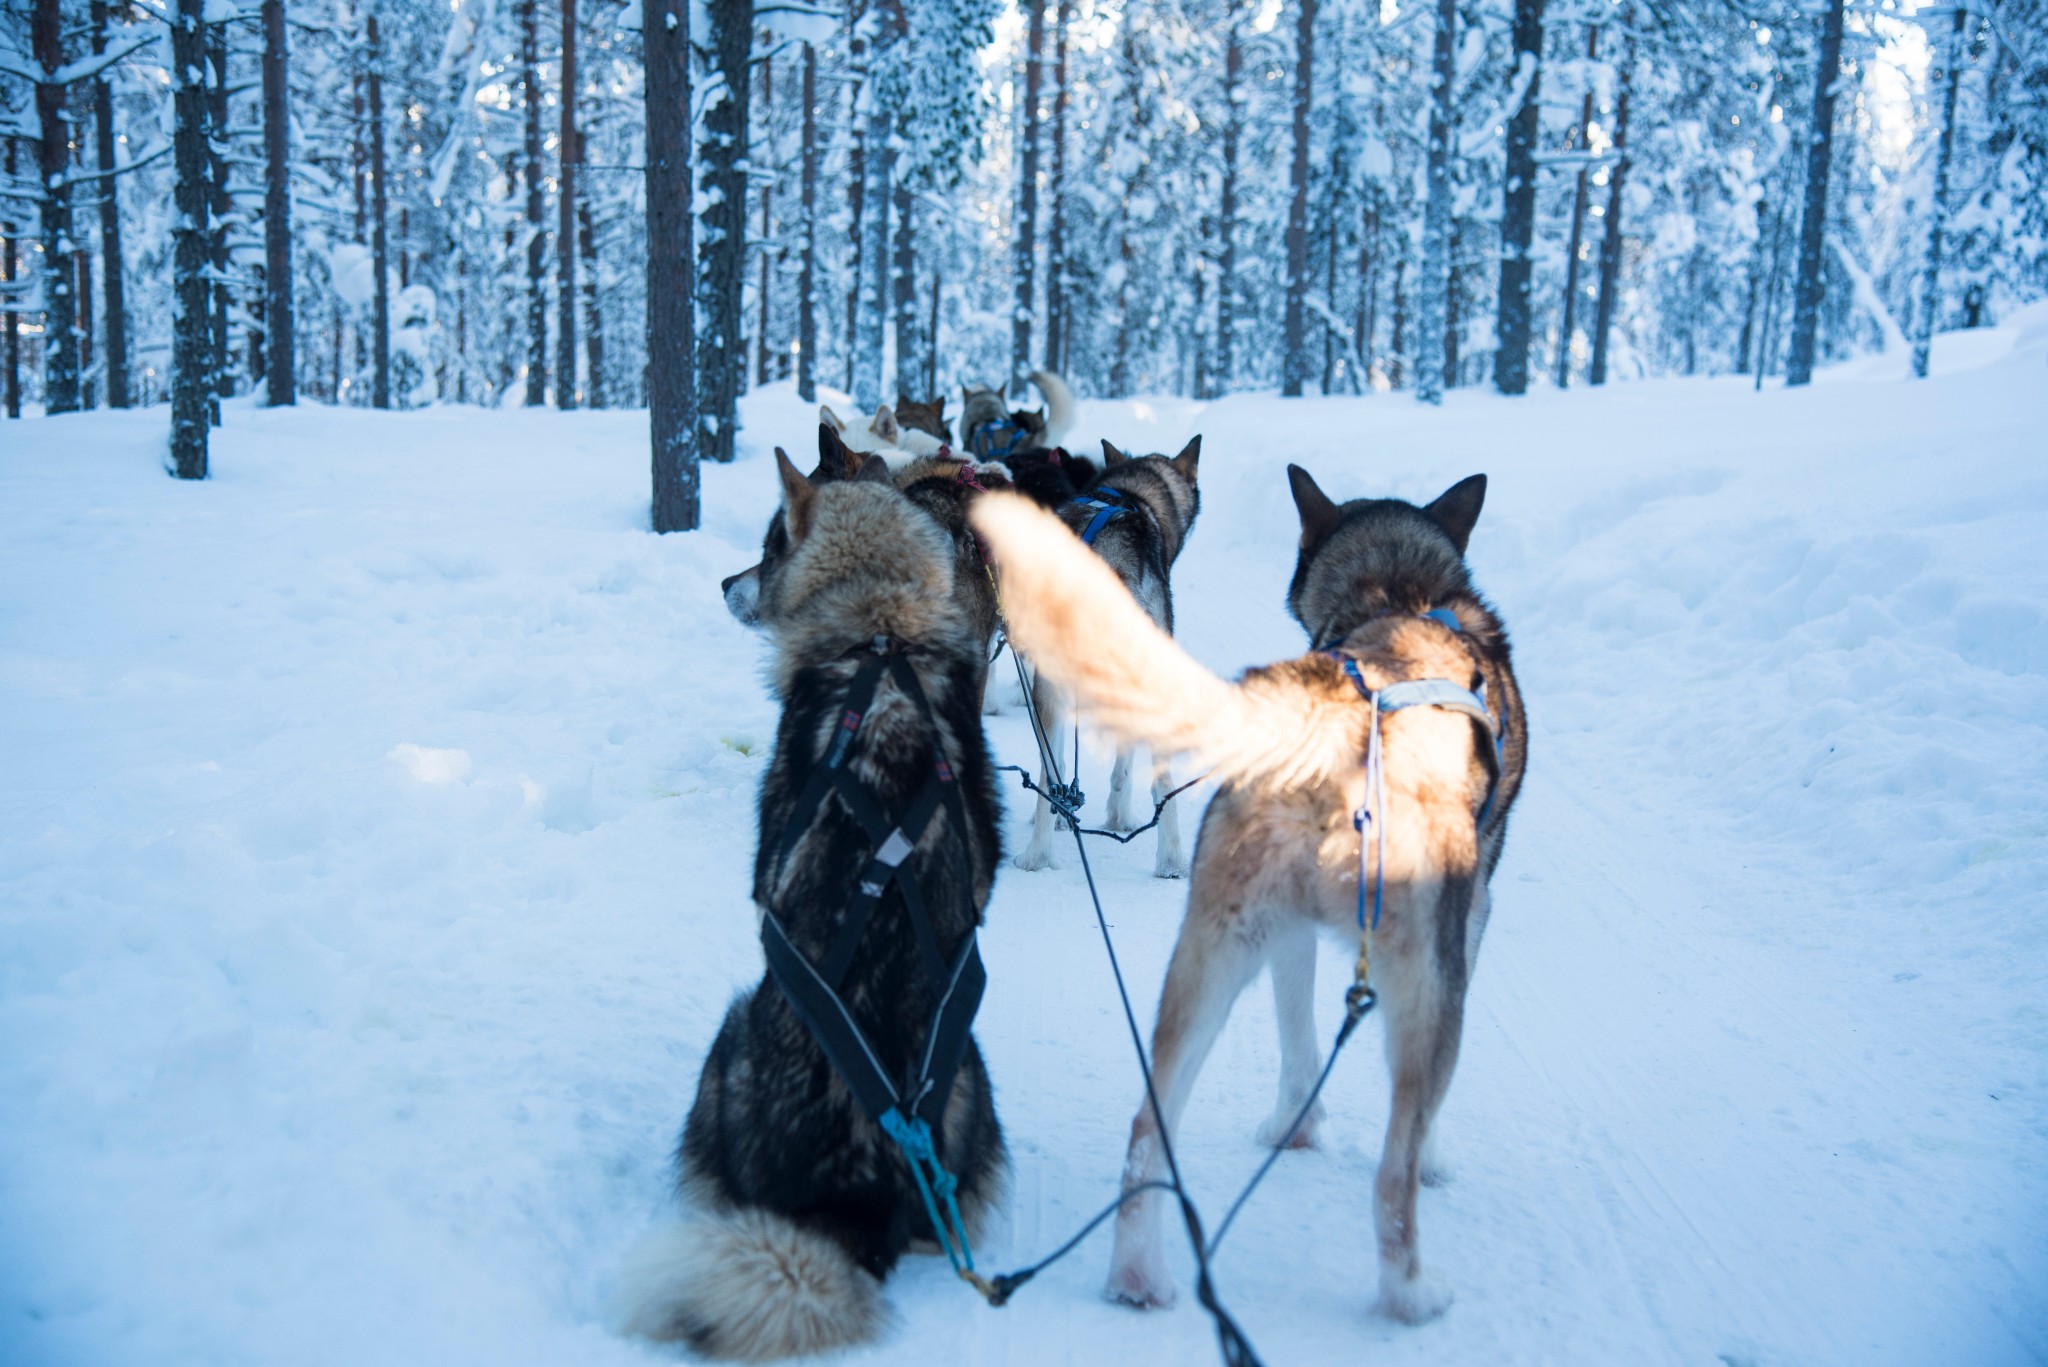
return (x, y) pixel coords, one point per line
(928, 418)
(883, 435)
(941, 484)
(799, 1204)
(1137, 517)
(1278, 856)
(992, 431)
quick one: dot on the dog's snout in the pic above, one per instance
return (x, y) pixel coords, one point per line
(725, 584)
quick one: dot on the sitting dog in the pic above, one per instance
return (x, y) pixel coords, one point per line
(928, 417)
(801, 1203)
(883, 435)
(1137, 518)
(1381, 586)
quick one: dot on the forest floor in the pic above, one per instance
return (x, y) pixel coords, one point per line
(376, 821)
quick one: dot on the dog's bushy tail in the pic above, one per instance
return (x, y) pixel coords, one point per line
(1060, 408)
(748, 1287)
(1074, 620)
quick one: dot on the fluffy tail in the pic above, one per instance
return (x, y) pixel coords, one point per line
(748, 1287)
(1059, 406)
(1073, 618)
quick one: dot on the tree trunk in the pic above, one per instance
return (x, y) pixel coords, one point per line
(536, 207)
(10, 320)
(909, 345)
(722, 249)
(1294, 339)
(280, 366)
(1436, 219)
(60, 306)
(671, 324)
(111, 257)
(1056, 233)
(807, 277)
(223, 206)
(1226, 209)
(190, 362)
(931, 350)
(1811, 286)
(856, 190)
(1610, 241)
(1930, 283)
(1576, 240)
(1451, 319)
(761, 347)
(1397, 363)
(1025, 239)
(1755, 292)
(593, 312)
(1518, 209)
(880, 171)
(380, 321)
(571, 153)
(83, 257)
(1368, 288)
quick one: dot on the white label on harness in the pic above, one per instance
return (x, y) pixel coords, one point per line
(894, 850)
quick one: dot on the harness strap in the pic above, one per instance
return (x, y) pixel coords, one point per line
(995, 438)
(1108, 505)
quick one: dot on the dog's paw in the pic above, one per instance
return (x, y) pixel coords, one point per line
(1436, 1171)
(1170, 864)
(1273, 1134)
(1031, 859)
(1412, 1300)
(1140, 1285)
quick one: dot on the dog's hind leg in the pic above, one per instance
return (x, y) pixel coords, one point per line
(1212, 962)
(1052, 725)
(1293, 966)
(1121, 817)
(1171, 861)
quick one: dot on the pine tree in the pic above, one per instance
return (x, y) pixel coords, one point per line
(807, 280)
(1610, 242)
(380, 257)
(569, 152)
(113, 273)
(60, 305)
(1436, 225)
(1807, 293)
(280, 365)
(722, 247)
(1930, 289)
(1294, 344)
(191, 354)
(671, 342)
(1024, 236)
(1518, 204)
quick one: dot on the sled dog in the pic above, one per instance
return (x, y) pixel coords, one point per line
(1137, 518)
(883, 435)
(799, 1204)
(1278, 854)
(928, 418)
(992, 431)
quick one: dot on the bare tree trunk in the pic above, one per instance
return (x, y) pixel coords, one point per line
(1610, 241)
(1226, 268)
(223, 207)
(1577, 238)
(1755, 291)
(1436, 218)
(1930, 283)
(380, 267)
(909, 345)
(280, 367)
(190, 363)
(60, 306)
(86, 397)
(536, 205)
(671, 324)
(807, 278)
(881, 177)
(856, 187)
(111, 263)
(571, 153)
(1294, 340)
(722, 249)
(1025, 238)
(1056, 233)
(931, 351)
(1807, 294)
(1368, 288)
(1518, 208)
(593, 312)
(10, 321)
(761, 346)
(1451, 375)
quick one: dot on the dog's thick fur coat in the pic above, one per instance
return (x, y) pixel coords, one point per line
(1278, 855)
(1161, 500)
(800, 1204)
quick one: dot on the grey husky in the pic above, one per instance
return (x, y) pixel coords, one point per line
(1136, 517)
(799, 1204)
(1278, 855)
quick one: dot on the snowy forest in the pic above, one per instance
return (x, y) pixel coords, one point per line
(398, 204)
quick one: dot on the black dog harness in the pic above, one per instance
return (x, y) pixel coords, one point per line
(813, 989)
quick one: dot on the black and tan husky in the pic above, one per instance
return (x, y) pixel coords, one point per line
(1383, 585)
(799, 1204)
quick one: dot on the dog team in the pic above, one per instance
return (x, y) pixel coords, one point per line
(844, 1116)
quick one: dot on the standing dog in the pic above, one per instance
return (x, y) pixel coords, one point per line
(1137, 518)
(1278, 855)
(802, 1204)
(1028, 441)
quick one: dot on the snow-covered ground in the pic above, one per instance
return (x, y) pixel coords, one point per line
(375, 821)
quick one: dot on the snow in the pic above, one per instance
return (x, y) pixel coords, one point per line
(378, 817)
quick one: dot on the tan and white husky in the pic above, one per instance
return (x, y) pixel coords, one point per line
(1278, 856)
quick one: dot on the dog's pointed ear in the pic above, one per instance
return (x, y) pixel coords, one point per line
(1457, 508)
(884, 425)
(874, 470)
(798, 494)
(835, 462)
(1318, 514)
(831, 419)
(1110, 455)
(1190, 456)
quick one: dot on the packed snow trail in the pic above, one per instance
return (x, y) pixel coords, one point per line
(378, 818)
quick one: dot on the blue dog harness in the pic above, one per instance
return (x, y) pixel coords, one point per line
(1108, 504)
(1395, 697)
(996, 438)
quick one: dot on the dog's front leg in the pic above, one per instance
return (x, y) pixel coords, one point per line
(1121, 817)
(1171, 860)
(1052, 725)
(1211, 965)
